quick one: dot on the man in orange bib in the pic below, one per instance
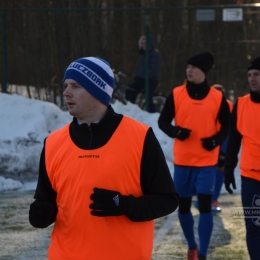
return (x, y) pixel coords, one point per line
(220, 165)
(245, 133)
(103, 178)
(197, 109)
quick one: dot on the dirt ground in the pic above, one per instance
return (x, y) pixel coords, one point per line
(20, 241)
(227, 241)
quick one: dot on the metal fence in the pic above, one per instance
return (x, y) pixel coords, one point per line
(38, 44)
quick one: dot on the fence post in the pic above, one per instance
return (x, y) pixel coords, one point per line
(147, 27)
(4, 64)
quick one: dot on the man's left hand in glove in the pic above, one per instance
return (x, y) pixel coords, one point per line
(107, 203)
(209, 143)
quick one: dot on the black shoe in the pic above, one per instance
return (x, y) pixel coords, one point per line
(201, 257)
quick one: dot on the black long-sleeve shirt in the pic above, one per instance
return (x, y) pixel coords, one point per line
(159, 195)
(197, 92)
(235, 138)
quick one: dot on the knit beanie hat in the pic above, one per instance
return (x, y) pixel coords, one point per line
(254, 65)
(93, 74)
(203, 61)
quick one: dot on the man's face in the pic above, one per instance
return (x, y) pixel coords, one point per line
(143, 43)
(254, 80)
(194, 74)
(81, 104)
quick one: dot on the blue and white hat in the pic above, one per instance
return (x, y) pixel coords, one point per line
(93, 74)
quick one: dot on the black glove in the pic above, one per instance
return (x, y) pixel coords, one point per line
(209, 143)
(41, 213)
(107, 203)
(229, 179)
(182, 133)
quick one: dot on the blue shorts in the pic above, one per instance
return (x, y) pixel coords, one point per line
(189, 181)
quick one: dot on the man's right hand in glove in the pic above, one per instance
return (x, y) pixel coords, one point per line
(182, 133)
(41, 213)
(229, 179)
(107, 203)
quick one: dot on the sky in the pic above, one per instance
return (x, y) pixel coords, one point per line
(25, 123)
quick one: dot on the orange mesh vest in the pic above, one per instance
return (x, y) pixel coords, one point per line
(73, 172)
(201, 117)
(248, 125)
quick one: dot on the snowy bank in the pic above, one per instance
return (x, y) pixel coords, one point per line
(25, 123)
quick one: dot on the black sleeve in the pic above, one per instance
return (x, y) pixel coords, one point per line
(166, 117)
(160, 196)
(234, 142)
(224, 118)
(44, 185)
(44, 190)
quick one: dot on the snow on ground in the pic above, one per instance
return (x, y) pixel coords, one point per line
(25, 123)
